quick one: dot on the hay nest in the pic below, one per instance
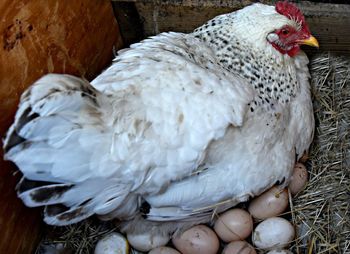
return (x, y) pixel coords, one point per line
(321, 212)
(79, 238)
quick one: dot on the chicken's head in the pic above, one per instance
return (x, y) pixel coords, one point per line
(271, 30)
(287, 39)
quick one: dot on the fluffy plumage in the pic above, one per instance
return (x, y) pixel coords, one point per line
(179, 126)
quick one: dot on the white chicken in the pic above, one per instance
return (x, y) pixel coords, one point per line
(179, 126)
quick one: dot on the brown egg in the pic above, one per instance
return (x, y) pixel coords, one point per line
(164, 250)
(269, 204)
(235, 224)
(305, 157)
(299, 178)
(198, 239)
(239, 247)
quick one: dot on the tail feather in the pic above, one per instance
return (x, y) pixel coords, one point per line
(81, 200)
(45, 128)
(12, 139)
(34, 195)
(60, 215)
(57, 133)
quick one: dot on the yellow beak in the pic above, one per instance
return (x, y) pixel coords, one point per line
(311, 41)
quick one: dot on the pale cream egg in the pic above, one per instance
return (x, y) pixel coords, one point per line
(147, 241)
(279, 252)
(273, 233)
(113, 243)
(164, 250)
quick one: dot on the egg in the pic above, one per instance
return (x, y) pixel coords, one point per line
(238, 247)
(304, 158)
(198, 239)
(235, 224)
(147, 241)
(273, 233)
(113, 243)
(271, 203)
(164, 250)
(298, 179)
(279, 252)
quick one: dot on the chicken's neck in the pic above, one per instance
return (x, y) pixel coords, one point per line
(272, 74)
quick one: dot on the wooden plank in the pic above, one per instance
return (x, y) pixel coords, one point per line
(330, 23)
(129, 21)
(38, 37)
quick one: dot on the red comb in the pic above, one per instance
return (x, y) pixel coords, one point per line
(291, 11)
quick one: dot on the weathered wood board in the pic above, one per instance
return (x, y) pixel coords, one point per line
(329, 23)
(38, 37)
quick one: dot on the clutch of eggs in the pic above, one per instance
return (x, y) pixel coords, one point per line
(232, 227)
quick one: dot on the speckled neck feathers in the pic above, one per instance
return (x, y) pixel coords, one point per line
(265, 69)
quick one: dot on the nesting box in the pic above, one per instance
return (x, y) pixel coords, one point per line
(78, 38)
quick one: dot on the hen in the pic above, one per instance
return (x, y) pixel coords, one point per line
(179, 126)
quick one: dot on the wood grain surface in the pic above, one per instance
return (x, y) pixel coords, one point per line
(37, 37)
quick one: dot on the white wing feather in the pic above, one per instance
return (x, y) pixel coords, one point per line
(175, 106)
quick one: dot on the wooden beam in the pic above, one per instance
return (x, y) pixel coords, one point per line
(130, 24)
(329, 22)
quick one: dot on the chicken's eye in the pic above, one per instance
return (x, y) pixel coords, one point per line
(285, 31)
